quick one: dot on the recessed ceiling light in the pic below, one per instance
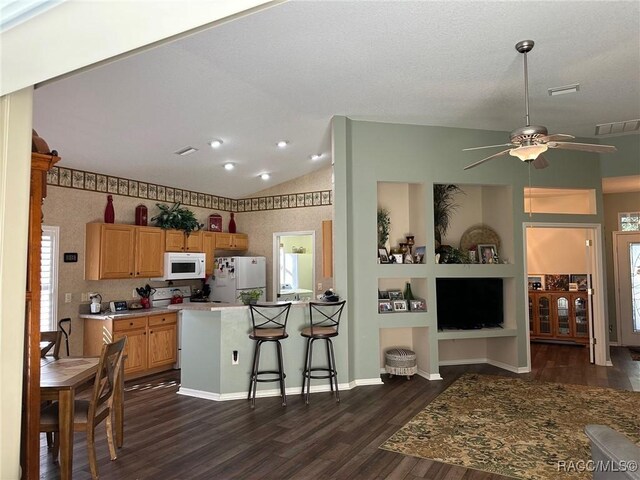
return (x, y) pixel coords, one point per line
(282, 143)
(265, 176)
(215, 143)
(565, 89)
(229, 166)
(316, 156)
(186, 151)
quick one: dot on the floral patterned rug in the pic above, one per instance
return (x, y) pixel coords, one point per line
(517, 428)
(635, 353)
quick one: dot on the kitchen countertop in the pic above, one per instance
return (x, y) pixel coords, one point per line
(141, 312)
(216, 306)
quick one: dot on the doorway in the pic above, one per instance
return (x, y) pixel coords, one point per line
(570, 255)
(626, 256)
(294, 265)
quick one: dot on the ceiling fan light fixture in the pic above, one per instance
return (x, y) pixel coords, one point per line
(216, 143)
(528, 152)
(229, 166)
(265, 176)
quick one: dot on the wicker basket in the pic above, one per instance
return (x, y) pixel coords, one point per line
(400, 361)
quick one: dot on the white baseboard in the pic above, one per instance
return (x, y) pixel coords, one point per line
(429, 376)
(608, 363)
(506, 366)
(463, 361)
(495, 363)
(614, 344)
(364, 381)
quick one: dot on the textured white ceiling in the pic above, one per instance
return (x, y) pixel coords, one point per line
(282, 73)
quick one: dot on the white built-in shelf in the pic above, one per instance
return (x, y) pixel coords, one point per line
(477, 333)
(401, 270)
(402, 319)
(500, 270)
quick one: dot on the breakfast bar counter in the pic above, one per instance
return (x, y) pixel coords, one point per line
(212, 332)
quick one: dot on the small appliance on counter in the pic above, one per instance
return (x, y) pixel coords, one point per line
(96, 302)
(118, 306)
(198, 295)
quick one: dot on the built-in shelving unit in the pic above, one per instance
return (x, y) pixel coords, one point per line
(479, 333)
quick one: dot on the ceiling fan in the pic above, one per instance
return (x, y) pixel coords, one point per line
(529, 142)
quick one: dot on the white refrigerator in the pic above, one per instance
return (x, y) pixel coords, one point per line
(232, 275)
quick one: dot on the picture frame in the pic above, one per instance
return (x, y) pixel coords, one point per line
(398, 258)
(385, 306)
(534, 280)
(383, 255)
(573, 287)
(418, 305)
(487, 252)
(400, 306)
(418, 256)
(580, 279)
(383, 295)
(558, 282)
(396, 295)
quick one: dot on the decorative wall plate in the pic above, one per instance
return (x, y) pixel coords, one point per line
(479, 234)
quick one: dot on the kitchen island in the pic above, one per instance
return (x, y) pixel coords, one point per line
(211, 332)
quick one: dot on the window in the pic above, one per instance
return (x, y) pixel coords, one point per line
(629, 221)
(49, 278)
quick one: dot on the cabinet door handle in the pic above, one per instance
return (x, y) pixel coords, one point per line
(131, 324)
(150, 331)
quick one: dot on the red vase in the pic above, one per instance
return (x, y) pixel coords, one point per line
(109, 214)
(232, 224)
(146, 303)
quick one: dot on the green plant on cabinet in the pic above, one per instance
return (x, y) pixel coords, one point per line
(175, 217)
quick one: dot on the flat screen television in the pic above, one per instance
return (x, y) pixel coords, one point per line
(469, 303)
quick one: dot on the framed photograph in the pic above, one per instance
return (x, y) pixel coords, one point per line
(400, 306)
(396, 295)
(556, 282)
(383, 255)
(580, 280)
(418, 305)
(397, 258)
(535, 282)
(383, 294)
(487, 253)
(385, 306)
(418, 256)
(573, 287)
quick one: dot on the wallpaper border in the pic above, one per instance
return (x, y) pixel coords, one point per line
(97, 182)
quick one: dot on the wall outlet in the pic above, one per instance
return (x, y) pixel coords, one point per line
(84, 297)
(135, 294)
(319, 286)
(68, 297)
(235, 357)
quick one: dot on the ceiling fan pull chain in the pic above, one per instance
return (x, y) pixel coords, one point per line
(530, 200)
(526, 91)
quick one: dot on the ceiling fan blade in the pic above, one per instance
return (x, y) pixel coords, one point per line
(554, 137)
(584, 147)
(540, 162)
(486, 159)
(489, 146)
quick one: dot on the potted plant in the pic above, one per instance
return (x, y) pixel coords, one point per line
(176, 217)
(250, 296)
(443, 208)
(383, 227)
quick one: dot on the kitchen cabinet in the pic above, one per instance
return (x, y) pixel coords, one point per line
(152, 341)
(179, 241)
(208, 247)
(327, 248)
(123, 251)
(232, 241)
(558, 316)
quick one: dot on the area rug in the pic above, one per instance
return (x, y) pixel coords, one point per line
(635, 353)
(517, 428)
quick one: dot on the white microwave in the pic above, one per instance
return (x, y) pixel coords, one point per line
(183, 266)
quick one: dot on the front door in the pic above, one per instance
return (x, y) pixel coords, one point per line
(627, 263)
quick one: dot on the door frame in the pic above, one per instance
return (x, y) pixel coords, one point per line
(597, 301)
(614, 247)
(276, 258)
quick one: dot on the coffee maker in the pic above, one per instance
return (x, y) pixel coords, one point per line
(96, 302)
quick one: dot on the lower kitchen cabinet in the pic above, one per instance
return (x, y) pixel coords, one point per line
(558, 316)
(151, 341)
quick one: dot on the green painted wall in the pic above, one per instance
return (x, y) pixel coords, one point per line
(365, 153)
(626, 161)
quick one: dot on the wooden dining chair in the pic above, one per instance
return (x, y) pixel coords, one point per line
(49, 340)
(89, 413)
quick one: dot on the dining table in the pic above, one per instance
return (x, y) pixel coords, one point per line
(60, 380)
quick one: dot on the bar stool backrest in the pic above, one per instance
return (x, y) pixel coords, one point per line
(269, 317)
(325, 314)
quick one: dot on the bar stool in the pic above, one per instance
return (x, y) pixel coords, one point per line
(325, 321)
(269, 325)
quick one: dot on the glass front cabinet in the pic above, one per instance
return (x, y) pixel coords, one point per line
(558, 316)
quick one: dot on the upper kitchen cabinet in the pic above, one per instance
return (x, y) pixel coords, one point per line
(123, 251)
(208, 246)
(179, 241)
(232, 241)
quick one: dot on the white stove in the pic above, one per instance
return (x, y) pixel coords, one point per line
(162, 297)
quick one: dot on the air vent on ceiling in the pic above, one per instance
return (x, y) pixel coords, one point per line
(618, 127)
(186, 151)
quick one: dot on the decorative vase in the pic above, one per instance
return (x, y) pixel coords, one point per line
(141, 215)
(408, 294)
(146, 303)
(109, 213)
(232, 224)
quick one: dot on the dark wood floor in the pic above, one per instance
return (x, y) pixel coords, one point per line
(169, 436)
